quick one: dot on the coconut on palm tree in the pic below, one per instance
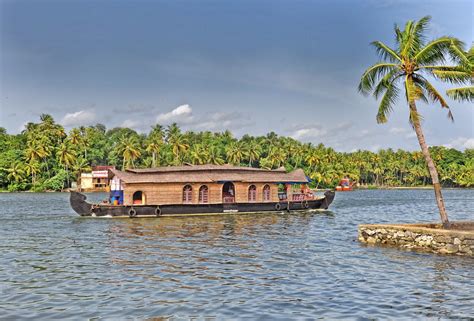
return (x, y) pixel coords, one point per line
(407, 66)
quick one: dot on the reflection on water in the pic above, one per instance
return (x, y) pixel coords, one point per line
(54, 264)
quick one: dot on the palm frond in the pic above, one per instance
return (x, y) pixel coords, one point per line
(412, 39)
(434, 51)
(470, 54)
(387, 102)
(456, 75)
(458, 55)
(398, 36)
(389, 78)
(385, 52)
(433, 94)
(461, 94)
(372, 74)
(421, 27)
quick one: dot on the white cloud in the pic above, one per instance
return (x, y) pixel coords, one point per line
(401, 131)
(181, 114)
(221, 121)
(22, 126)
(461, 143)
(398, 130)
(309, 133)
(375, 148)
(129, 123)
(82, 117)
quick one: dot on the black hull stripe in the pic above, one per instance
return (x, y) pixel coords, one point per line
(83, 208)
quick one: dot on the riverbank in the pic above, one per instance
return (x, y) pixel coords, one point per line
(430, 237)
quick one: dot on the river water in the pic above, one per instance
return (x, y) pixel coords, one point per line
(56, 265)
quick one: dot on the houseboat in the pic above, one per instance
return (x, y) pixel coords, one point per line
(202, 189)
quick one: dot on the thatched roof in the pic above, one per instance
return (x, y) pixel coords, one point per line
(209, 174)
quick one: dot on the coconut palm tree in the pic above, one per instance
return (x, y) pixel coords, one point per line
(198, 155)
(31, 169)
(129, 148)
(172, 130)
(235, 153)
(154, 147)
(214, 155)
(253, 152)
(16, 172)
(407, 65)
(34, 151)
(66, 156)
(81, 165)
(179, 146)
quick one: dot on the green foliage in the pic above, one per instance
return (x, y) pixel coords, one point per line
(407, 66)
(17, 187)
(55, 183)
(67, 156)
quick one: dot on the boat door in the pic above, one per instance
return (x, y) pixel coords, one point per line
(228, 193)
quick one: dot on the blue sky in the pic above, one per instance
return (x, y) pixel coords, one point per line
(249, 66)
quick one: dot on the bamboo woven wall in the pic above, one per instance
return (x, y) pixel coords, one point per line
(172, 193)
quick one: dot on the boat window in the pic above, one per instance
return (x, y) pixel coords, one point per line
(138, 198)
(266, 193)
(187, 194)
(252, 193)
(203, 194)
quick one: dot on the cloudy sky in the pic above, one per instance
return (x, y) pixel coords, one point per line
(249, 66)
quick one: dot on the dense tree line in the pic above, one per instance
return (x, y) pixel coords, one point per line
(45, 157)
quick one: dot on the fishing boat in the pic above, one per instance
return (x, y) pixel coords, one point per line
(202, 190)
(345, 185)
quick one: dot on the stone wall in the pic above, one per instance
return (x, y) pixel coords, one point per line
(428, 237)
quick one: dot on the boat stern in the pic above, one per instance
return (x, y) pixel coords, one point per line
(79, 204)
(328, 199)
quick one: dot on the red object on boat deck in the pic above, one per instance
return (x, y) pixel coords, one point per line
(344, 185)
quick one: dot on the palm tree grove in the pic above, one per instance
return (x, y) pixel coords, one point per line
(237, 160)
(44, 157)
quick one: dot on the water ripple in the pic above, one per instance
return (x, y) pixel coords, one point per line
(55, 265)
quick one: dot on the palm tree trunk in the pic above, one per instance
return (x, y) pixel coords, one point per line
(67, 177)
(431, 167)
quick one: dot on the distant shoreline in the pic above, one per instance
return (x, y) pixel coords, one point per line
(317, 190)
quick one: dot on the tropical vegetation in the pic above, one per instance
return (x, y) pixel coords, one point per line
(45, 157)
(407, 67)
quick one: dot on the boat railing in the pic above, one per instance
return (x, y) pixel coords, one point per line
(228, 199)
(298, 196)
(282, 196)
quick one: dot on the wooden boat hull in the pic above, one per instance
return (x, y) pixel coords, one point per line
(83, 208)
(344, 188)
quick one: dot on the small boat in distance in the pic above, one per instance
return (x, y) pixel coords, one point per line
(345, 185)
(200, 190)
